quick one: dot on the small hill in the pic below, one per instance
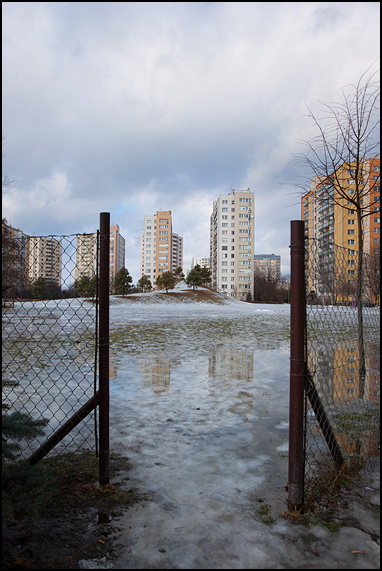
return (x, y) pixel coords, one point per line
(180, 294)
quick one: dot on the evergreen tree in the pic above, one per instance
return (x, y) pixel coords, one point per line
(39, 289)
(86, 286)
(206, 275)
(23, 486)
(166, 280)
(122, 282)
(15, 427)
(179, 273)
(144, 283)
(194, 278)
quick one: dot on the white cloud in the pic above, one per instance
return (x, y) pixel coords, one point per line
(47, 206)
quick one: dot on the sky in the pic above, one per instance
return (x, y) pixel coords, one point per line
(136, 107)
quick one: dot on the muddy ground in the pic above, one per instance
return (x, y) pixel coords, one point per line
(90, 536)
(74, 523)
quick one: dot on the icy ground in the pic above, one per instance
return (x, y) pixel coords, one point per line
(199, 404)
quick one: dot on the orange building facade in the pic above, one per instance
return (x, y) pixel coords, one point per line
(332, 227)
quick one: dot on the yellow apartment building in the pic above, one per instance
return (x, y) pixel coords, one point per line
(332, 229)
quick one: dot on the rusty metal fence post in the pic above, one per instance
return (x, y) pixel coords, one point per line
(297, 367)
(104, 288)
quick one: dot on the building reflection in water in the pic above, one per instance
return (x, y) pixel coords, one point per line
(225, 366)
(352, 406)
(112, 367)
(228, 365)
(155, 373)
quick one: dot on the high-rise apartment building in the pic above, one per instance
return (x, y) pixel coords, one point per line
(86, 256)
(232, 243)
(177, 252)
(331, 221)
(117, 251)
(161, 250)
(202, 262)
(268, 265)
(15, 259)
(45, 259)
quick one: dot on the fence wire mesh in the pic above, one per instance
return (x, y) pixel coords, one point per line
(49, 326)
(343, 361)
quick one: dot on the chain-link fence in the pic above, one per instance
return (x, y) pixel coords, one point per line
(343, 360)
(49, 321)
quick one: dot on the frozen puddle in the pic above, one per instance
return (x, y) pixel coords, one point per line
(198, 420)
(199, 405)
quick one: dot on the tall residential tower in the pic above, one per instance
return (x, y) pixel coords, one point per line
(331, 221)
(232, 243)
(161, 250)
(117, 251)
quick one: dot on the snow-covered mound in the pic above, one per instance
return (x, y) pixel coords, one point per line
(181, 293)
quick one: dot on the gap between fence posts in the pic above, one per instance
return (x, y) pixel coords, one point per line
(297, 366)
(104, 399)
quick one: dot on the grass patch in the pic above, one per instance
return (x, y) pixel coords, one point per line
(324, 494)
(61, 514)
(263, 513)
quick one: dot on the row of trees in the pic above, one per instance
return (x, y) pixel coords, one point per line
(198, 276)
(268, 289)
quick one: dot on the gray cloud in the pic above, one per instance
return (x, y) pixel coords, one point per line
(132, 107)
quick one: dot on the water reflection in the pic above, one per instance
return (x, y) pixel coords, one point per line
(352, 406)
(155, 370)
(336, 372)
(230, 364)
(155, 374)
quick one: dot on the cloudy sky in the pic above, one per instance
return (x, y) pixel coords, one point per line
(135, 107)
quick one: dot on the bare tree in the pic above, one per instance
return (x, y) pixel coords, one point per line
(348, 136)
(6, 183)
